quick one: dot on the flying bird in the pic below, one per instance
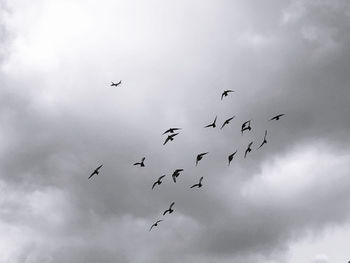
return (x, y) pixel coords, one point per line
(96, 171)
(199, 185)
(176, 173)
(170, 137)
(225, 93)
(246, 126)
(141, 163)
(159, 181)
(230, 157)
(264, 141)
(171, 130)
(170, 210)
(248, 149)
(155, 224)
(116, 84)
(212, 124)
(277, 117)
(200, 156)
(227, 122)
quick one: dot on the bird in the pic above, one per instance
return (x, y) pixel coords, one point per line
(246, 126)
(225, 93)
(277, 117)
(141, 163)
(170, 137)
(116, 84)
(227, 122)
(230, 157)
(171, 130)
(199, 185)
(248, 149)
(213, 124)
(96, 171)
(159, 181)
(170, 209)
(176, 173)
(200, 156)
(155, 224)
(264, 141)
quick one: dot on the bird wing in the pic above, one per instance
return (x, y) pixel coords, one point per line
(166, 131)
(200, 180)
(222, 95)
(174, 177)
(143, 159)
(137, 163)
(151, 227)
(161, 177)
(159, 221)
(179, 170)
(261, 144)
(173, 135)
(194, 185)
(165, 212)
(171, 206)
(99, 167)
(91, 175)
(265, 133)
(229, 90)
(215, 119)
(166, 140)
(250, 144)
(224, 124)
(202, 154)
(154, 184)
(209, 125)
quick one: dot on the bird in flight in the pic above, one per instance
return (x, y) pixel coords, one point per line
(277, 117)
(170, 209)
(230, 157)
(227, 122)
(212, 124)
(170, 137)
(248, 149)
(246, 126)
(155, 224)
(200, 156)
(199, 185)
(264, 141)
(159, 181)
(116, 84)
(171, 130)
(96, 171)
(141, 163)
(225, 93)
(176, 173)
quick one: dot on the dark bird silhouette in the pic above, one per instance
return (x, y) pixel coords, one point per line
(116, 84)
(159, 181)
(199, 185)
(170, 210)
(96, 171)
(200, 156)
(142, 164)
(155, 224)
(230, 157)
(277, 117)
(213, 124)
(248, 149)
(227, 122)
(176, 173)
(264, 141)
(171, 130)
(170, 137)
(246, 126)
(225, 93)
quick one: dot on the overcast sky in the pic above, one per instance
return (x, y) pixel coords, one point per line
(287, 202)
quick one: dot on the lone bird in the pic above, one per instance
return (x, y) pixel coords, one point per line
(213, 124)
(170, 210)
(230, 157)
(159, 181)
(277, 117)
(96, 171)
(171, 130)
(155, 224)
(141, 163)
(225, 93)
(227, 122)
(264, 141)
(248, 149)
(199, 185)
(176, 173)
(116, 84)
(246, 126)
(170, 137)
(200, 156)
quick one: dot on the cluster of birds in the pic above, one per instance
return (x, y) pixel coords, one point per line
(172, 132)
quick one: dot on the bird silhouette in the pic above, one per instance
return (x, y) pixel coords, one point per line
(171, 130)
(264, 141)
(277, 117)
(155, 224)
(159, 181)
(225, 93)
(116, 84)
(227, 122)
(170, 209)
(199, 185)
(170, 137)
(142, 164)
(176, 173)
(230, 157)
(96, 171)
(248, 149)
(246, 126)
(200, 156)
(212, 124)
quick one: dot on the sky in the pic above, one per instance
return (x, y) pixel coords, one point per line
(287, 202)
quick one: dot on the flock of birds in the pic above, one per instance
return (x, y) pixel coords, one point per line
(172, 132)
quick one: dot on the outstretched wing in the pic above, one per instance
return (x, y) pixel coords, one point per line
(154, 184)
(171, 206)
(166, 140)
(200, 180)
(160, 178)
(91, 175)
